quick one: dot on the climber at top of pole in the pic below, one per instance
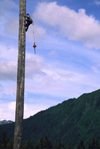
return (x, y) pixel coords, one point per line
(28, 21)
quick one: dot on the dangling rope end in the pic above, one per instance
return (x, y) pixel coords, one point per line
(34, 46)
(34, 51)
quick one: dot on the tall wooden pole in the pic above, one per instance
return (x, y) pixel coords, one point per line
(20, 78)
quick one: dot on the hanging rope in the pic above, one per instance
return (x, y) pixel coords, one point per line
(33, 33)
(34, 45)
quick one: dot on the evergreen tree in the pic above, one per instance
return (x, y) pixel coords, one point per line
(3, 140)
(60, 145)
(10, 144)
(28, 144)
(94, 144)
(89, 145)
(70, 147)
(40, 144)
(47, 143)
(54, 146)
(81, 145)
(97, 145)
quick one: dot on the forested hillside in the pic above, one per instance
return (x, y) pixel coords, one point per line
(71, 121)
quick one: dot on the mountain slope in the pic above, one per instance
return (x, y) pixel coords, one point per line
(2, 122)
(69, 121)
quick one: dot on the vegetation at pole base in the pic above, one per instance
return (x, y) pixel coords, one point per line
(73, 123)
(44, 143)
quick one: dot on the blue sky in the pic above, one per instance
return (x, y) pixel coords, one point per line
(67, 63)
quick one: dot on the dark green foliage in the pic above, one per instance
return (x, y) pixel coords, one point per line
(47, 143)
(40, 144)
(44, 143)
(69, 122)
(3, 140)
(10, 144)
(5, 143)
(28, 144)
(70, 147)
(60, 145)
(81, 145)
(94, 144)
(9, 129)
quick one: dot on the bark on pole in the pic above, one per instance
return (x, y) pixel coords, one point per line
(20, 78)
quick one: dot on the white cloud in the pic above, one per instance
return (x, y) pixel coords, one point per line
(97, 2)
(59, 82)
(8, 5)
(6, 112)
(32, 109)
(7, 109)
(11, 27)
(12, 106)
(7, 52)
(36, 32)
(96, 69)
(34, 66)
(44, 78)
(8, 70)
(8, 65)
(52, 53)
(9, 89)
(75, 25)
(9, 20)
(56, 82)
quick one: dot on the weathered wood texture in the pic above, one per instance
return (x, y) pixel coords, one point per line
(20, 78)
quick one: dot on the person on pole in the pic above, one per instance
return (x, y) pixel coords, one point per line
(28, 21)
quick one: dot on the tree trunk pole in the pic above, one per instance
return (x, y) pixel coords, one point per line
(20, 79)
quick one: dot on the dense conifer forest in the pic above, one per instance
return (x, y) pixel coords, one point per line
(44, 143)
